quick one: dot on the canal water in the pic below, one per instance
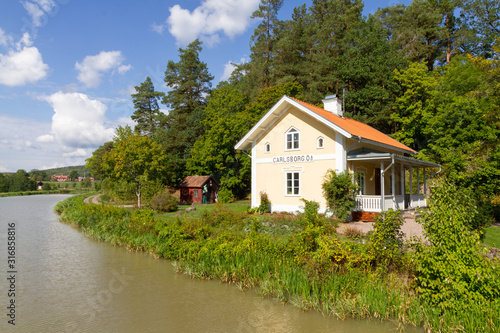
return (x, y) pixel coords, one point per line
(65, 282)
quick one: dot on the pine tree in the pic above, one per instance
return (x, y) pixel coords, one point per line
(190, 83)
(263, 43)
(147, 112)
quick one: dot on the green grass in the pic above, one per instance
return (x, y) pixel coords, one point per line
(492, 237)
(237, 206)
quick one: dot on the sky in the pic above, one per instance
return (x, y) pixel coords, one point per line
(68, 67)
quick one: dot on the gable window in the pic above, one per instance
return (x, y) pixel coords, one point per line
(292, 139)
(360, 179)
(321, 142)
(293, 183)
(267, 148)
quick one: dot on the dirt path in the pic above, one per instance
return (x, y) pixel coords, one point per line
(409, 228)
(93, 199)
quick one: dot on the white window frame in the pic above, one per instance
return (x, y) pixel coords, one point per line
(267, 148)
(196, 194)
(292, 132)
(322, 145)
(361, 175)
(295, 175)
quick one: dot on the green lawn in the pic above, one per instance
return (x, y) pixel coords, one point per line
(238, 206)
(492, 237)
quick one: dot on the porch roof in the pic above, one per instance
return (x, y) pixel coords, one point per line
(370, 155)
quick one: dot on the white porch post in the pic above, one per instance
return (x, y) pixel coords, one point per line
(402, 183)
(382, 188)
(425, 184)
(393, 185)
(402, 179)
(418, 180)
(411, 184)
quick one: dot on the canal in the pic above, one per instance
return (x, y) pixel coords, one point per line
(65, 282)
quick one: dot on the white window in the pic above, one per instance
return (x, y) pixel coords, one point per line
(195, 194)
(268, 148)
(292, 139)
(360, 178)
(321, 142)
(293, 183)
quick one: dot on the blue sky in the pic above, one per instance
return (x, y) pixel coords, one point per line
(68, 67)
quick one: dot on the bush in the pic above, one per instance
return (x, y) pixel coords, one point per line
(452, 272)
(225, 196)
(164, 202)
(340, 192)
(386, 242)
(265, 203)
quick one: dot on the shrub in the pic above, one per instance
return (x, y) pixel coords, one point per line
(339, 191)
(225, 196)
(164, 202)
(452, 272)
(386, 242)
(265, 203)
(353, 233)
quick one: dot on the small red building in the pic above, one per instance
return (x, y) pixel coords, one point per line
(198, 189)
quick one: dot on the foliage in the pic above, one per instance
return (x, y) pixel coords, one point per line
(189, 82)
(386, 241)
(134, 159)
(265, 203)
(147, 111)
(164, 202)
(225, 195)
(307, 267)
(452, 272)
(95, 162)
(339, 190)
(17, 182)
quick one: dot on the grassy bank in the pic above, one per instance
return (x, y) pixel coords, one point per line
(39, 192)
(298, 261)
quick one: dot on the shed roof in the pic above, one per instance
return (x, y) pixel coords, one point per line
(195, 181)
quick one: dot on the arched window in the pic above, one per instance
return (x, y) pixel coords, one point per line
(292, 139)
(321, 142)
(267, 148)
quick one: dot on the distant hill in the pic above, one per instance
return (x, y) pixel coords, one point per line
(82, 170)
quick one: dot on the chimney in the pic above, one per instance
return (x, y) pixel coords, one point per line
(333, 104)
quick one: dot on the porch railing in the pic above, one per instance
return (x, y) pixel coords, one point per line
(372, 203)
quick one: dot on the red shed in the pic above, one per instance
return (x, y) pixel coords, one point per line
(198, 189)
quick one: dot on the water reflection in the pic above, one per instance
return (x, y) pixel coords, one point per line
(69, 283)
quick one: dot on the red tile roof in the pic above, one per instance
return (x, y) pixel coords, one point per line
(357, 128)
(194, 181)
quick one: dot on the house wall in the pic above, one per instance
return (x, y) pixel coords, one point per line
(309, 161)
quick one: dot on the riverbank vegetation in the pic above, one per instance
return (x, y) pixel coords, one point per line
(448, 285)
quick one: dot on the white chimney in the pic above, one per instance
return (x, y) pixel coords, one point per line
(333, 104)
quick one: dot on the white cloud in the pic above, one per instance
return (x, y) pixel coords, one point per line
(23, 65)
(229, 68)
(159, 28)
(37, 9)
(78, 122)
(5, 39)
(92, 67)
(209, 20)
(45, 138)
(124, 69)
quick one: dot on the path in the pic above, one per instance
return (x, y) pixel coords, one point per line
(93, 199)
(409, 228)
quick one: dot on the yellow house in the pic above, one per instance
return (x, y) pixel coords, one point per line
(295, 143)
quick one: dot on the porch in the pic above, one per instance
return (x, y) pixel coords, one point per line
(388, 180)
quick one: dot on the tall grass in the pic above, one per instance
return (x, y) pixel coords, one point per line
(309, 267)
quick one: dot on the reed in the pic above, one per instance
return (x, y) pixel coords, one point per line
(309, 268)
